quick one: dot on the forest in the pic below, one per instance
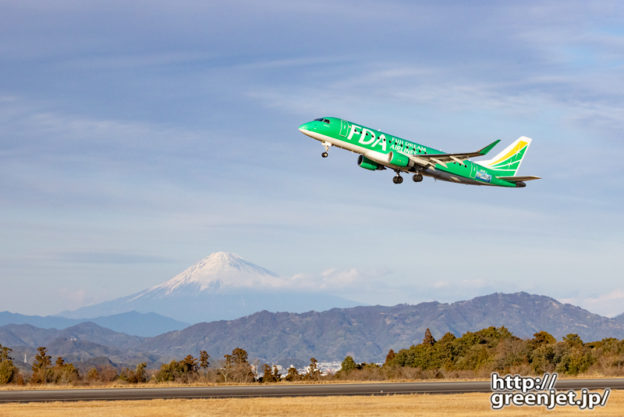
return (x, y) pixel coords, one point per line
(473, 355)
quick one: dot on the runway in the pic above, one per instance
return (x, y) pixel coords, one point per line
(277, 390)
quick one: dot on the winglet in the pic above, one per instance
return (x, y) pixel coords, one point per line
(488, 148)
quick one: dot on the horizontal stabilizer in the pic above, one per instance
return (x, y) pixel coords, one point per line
(518, 179)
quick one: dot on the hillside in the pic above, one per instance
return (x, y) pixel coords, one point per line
(131, 322)
(83, 344)
(366, 333)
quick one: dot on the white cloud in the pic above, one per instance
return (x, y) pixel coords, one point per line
(75, 298)
(608, 304)
(43, 130)
(474, 283)
(329, 279)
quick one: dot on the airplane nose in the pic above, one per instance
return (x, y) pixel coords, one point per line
(305, 126)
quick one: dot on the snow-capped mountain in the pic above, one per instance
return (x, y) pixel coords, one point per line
(219, 287)
(219, 271)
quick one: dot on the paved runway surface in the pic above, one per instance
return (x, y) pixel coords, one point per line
(112, 394)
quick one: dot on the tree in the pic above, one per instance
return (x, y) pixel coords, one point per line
(276, 374)
(573, 340)
(139, 372)
(108, 374)
(204, 359)
(185, 370)
(313, 373)
(446, 350)
(5, 353)
(267, 375)
(64, 373)
(390, 357)
(93, 375)
(574, 361)
(42, 360)
(189, 365)
(542, 338)
(239, 355)
(236, 367)
(134, 377)
(348, 365)
(168, 372)
(42, 372)
(428, 339)
(293, 374)
(8, 371)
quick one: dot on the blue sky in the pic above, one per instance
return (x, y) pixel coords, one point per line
(139, 137)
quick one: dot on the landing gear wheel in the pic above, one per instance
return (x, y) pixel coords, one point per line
(417, 177)
(326, 145)
(397, 180)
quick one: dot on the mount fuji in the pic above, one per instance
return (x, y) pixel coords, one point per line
(222, 286)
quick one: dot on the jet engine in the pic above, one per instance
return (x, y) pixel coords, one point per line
(366, 163)
(398, 159)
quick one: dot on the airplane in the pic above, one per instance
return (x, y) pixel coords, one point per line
(378, 150)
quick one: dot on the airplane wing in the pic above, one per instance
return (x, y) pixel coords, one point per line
(517, 179)
(426, 160)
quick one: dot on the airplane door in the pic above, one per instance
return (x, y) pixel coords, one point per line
(344, 128)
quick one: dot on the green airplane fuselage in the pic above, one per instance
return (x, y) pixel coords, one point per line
(375, 146)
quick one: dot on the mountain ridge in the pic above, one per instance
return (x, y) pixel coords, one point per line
(368, 332)
(132, 322)
(364, 332)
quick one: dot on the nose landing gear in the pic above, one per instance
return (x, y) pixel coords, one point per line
(327, 145)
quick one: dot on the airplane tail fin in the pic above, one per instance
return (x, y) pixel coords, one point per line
(508, 161)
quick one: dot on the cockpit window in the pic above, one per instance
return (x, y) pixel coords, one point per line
(321, 119)
(326, 121)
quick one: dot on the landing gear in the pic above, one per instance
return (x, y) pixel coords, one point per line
(327, 145)
(417, 177)
(397, 179)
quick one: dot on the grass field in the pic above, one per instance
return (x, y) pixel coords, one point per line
(399, 405)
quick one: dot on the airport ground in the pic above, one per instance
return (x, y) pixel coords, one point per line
(149, 384)
(474, 404)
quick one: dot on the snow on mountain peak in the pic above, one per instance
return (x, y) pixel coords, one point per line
(222, 270)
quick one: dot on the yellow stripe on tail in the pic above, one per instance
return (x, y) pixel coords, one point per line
(508, 161)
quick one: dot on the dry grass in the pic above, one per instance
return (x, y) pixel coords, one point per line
(400, 405)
